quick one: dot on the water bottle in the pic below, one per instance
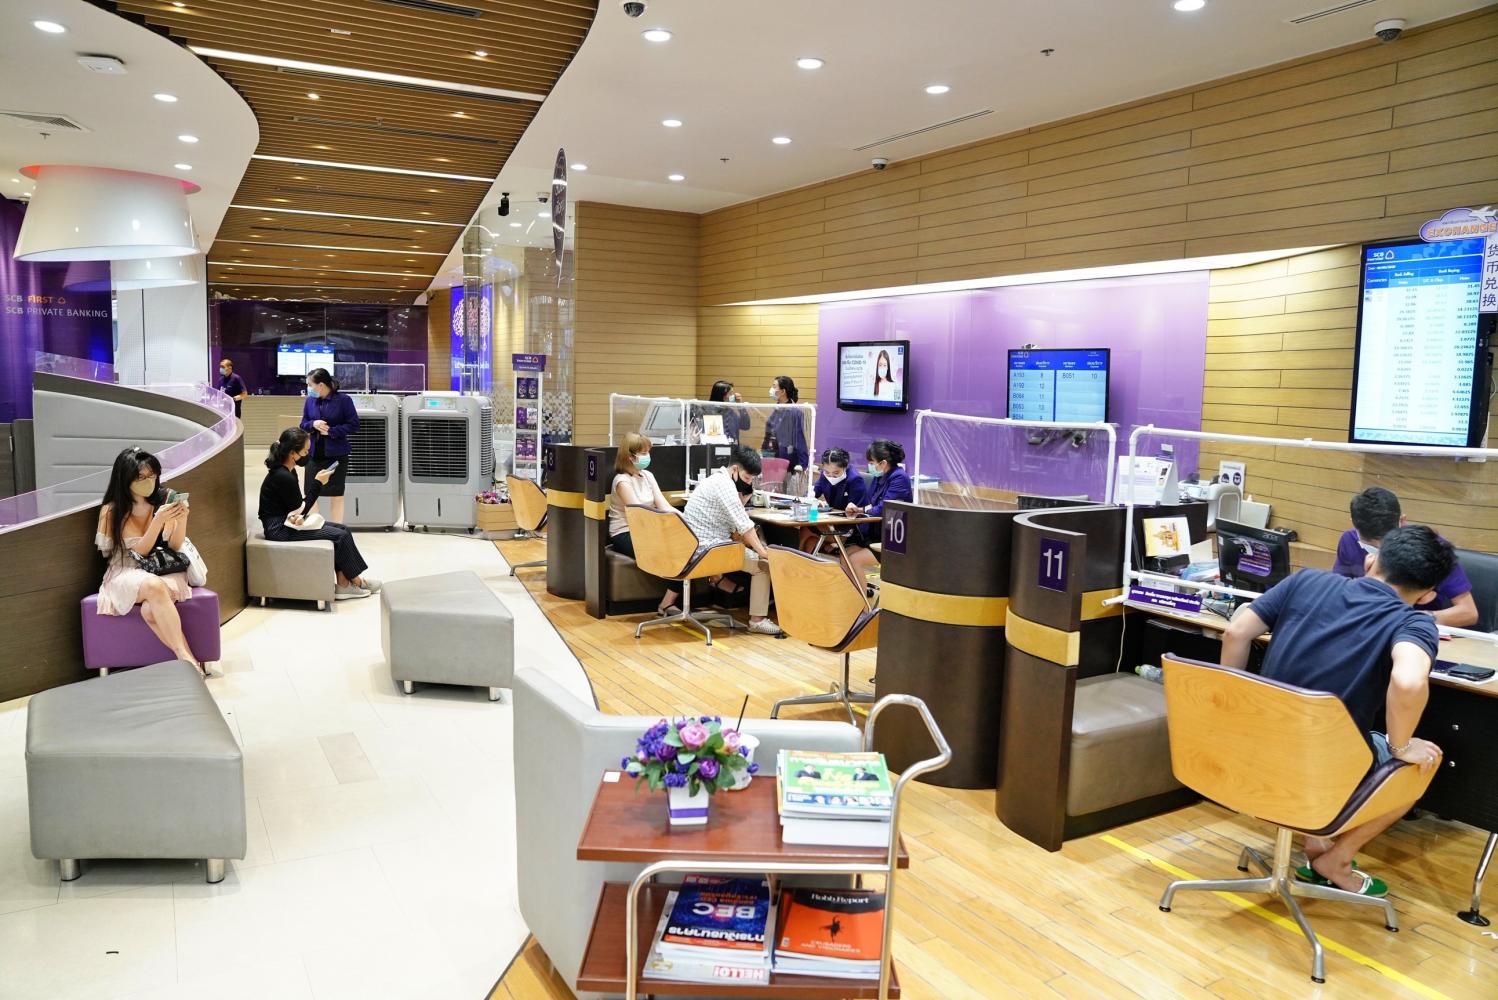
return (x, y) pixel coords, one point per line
(1150, 673)
(811, 512)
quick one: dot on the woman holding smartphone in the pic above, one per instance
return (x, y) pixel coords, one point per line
(283, 513)
(329, 416)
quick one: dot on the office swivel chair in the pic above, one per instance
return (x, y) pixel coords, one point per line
(819, 605)
(1482, 569)
(667, 547)
(529, 501)
(1284, 755)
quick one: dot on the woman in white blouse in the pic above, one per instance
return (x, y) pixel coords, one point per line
(633, 484)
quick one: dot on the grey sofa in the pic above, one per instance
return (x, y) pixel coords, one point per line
(558, 893)
(477, 632)
(294, 571)
(139, 764)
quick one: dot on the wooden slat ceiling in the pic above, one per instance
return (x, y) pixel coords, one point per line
(528, 43)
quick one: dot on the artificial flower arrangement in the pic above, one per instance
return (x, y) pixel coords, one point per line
(699, 755)
(491, 497)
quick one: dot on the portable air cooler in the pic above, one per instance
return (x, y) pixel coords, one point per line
(372, 494)
(447, 441)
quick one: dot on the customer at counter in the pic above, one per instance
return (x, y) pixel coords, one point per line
(1363, 641)
(785, 431)
(890, 483)
(835, 488)
(1375, 513)
(634, 484)
(735, 418)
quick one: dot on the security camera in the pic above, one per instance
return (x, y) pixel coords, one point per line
(504, 203)
(1387, 31)
(633, 8)
(543, 196)
(878, 163)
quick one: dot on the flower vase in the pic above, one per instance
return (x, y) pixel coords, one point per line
(686, 809)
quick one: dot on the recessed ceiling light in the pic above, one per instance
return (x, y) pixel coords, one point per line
(656, 35)
(459, 114)
(581, 168)
(938, 88)
(15, 180)
(781, 140)
(166, 98)
(189, 139)
(50, 27)
(676, 177)
(543, 214)
(480, 53)
(1186, 6)
(179, 4)
(313, 97)
(514, 225)
(810, 62)
(182, 166)
(671, 122)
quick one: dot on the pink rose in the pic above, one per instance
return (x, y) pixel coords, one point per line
(693, 735)
(731, 740)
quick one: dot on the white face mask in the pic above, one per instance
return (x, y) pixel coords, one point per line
(884, 371)
(834, 480)
(774, 394)
(1372, 550)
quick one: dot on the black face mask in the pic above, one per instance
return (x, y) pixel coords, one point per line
(744, 488)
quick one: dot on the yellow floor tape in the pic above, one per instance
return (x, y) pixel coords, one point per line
(1282, 921)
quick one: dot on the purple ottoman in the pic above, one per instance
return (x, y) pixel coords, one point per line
(111, 641)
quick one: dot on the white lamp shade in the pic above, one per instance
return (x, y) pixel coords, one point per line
(128, 275)
(94, 213)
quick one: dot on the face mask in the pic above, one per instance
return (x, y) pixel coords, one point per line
(744, 488)
(223, 371)
(834, 480)
(143, 487)
(884, 371)
(774, 394)
(642, 462)
(874, 469)
(1372, 550)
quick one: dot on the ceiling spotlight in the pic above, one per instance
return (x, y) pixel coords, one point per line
(182, 166)
(676, 177)
(810, 62)
(179, 4)
(514, 225)
(480, 53)
(671, 122)
(313, 97)
(166, 98)
(656, 35)
(781, 140)
(1187, 6)
(50, 27)
(581, 168)
(938, 88)
(189, 139)
(543, 214)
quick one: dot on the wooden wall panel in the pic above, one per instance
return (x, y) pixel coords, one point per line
(1279, 364)
(750, 345)
(1350, 145)
(439, 340)
(636, 314)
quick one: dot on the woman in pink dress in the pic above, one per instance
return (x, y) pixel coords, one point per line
(134, 519)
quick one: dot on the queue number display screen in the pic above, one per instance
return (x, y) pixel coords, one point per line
(1419, 376)
(1068, 387)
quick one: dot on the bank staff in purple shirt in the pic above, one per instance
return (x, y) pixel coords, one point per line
(1375, 513)
(890, 483)
(231, 384)
(329, 416)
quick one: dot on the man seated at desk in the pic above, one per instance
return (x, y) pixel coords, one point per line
(1375, 512)
(1362, 641)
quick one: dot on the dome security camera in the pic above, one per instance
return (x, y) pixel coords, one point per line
(878, 163)
(633, 8)
(1387, 31)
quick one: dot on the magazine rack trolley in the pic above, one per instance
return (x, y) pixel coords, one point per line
(880, 861)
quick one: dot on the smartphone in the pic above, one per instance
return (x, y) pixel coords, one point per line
(1467, 672)
(172, 496)
(333, 467)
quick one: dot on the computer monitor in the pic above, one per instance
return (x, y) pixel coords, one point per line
(662, 425)
(1252, 559)
(1065, 386)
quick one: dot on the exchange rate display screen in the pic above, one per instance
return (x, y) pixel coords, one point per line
(1062, 386)
(1419, 377)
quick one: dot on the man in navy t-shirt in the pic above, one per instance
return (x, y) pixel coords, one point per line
(1375, 512)
(1363, 641)
(231, 384)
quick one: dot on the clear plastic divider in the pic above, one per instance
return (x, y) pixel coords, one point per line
(984, 462)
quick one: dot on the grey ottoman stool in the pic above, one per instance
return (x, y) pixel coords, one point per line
(447, 629)
(134, 765)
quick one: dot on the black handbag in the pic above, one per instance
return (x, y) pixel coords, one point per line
(163, 560)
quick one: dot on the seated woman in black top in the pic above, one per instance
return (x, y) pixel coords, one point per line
(283, 508)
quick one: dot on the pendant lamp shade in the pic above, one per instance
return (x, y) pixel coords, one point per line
(130, 275)
(94, 213)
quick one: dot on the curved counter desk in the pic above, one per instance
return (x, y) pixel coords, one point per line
(47, 537)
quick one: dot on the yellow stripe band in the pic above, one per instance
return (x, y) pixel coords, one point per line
(1043, 641)
(1283, 922)
(944, 609)
(563, 498)
(597, 510)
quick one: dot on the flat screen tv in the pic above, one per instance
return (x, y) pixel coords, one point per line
(1064, 386)
(291, 360)
(1421, 368)
(874, 375)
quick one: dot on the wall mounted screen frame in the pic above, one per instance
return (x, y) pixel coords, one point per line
(1039, 388)
(857, 361)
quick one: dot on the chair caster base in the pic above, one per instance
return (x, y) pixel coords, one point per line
(1164, 909)
(1473, 917)
(1318, 982)
(1392, 930)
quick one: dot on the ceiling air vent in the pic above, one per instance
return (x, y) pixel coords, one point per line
(434, 7)
(41, 123)
(922, 131)
(1339, 8)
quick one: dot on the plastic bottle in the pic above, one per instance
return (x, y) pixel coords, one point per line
(1150, 673)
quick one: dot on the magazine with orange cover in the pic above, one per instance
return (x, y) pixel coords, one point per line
(846, 924)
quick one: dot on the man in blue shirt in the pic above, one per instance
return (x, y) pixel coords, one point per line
(231, 384)
(1363, 641)
(1375, 512)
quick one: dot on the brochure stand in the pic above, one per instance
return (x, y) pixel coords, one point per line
(528, 410)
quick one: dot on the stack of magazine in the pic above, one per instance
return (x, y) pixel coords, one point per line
(714, 929)
(830, 932)
(834, 799)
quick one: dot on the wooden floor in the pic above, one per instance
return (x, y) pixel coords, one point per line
(982, 913)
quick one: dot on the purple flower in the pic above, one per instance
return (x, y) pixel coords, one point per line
(674, 780)
(693, 735)
(624, 762)
(708, 769)
(753, 768)
(665, 751)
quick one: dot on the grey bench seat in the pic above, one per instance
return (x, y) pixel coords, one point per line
(447, 629)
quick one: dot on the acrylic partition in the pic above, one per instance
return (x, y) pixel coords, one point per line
(973, 462)
(375, 377)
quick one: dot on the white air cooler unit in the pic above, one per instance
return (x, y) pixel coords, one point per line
(447, 442)
(372, 491)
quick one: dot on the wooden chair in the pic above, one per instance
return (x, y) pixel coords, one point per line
(529, 501)
(1284, 755)
(819, 605)
(667, 547)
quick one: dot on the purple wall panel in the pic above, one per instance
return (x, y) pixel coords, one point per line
(1155, 325)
